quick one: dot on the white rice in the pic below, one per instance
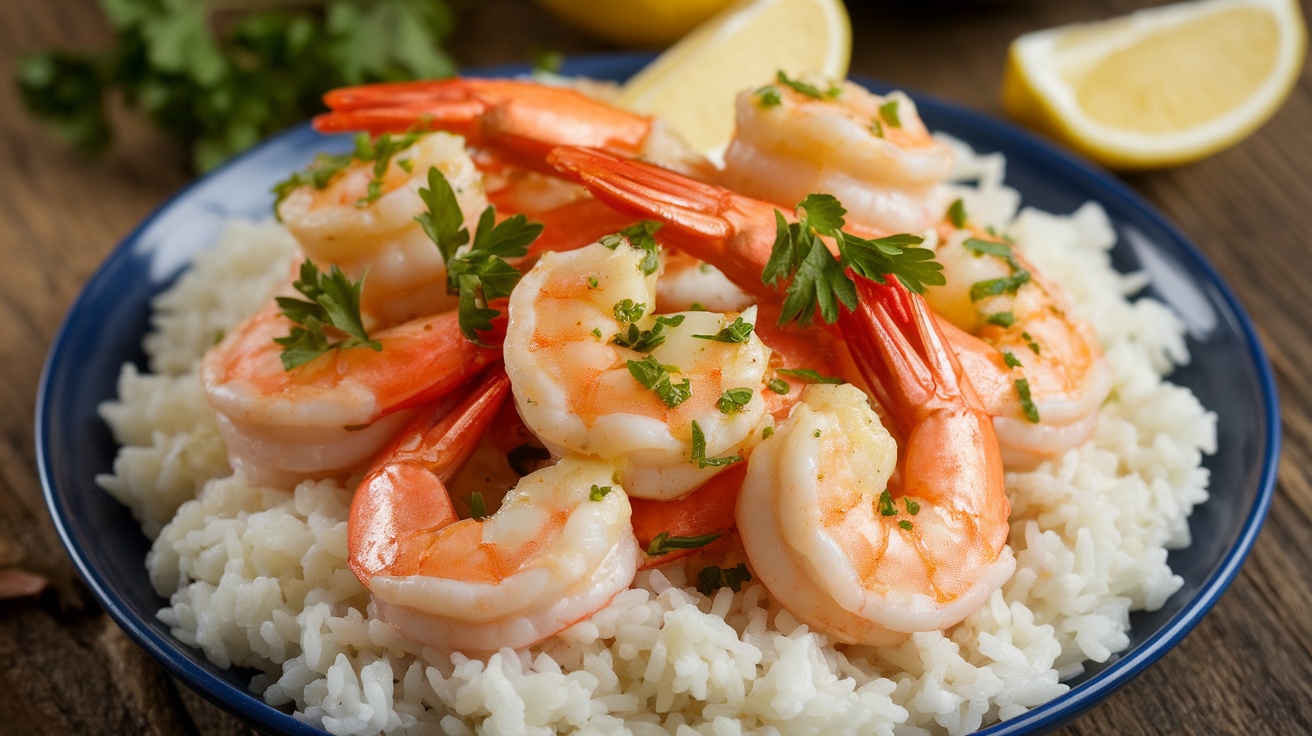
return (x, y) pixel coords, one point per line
(258, 578)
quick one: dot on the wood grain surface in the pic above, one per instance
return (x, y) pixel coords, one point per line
(66, 668)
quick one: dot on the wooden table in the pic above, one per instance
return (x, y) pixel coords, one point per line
(66, 668)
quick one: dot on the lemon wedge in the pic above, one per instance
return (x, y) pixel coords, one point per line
(636, 22)
(692, 85)
(1161, 86)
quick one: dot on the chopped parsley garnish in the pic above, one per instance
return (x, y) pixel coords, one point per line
(1001, 319)
(905, 524)
(1010, 359)
(888, 111)
(1029, 341)
(319, 174)
(699, 451)
(644, 341)
(981, 246)
(819, 281)
(598, 492)
(664, 543)
(696, 307)
(816, 434)
(626, 310)
(886, 507)
(477, 509)
(1004, 285)
(592, 282)
(596, 332)
(734, 400)
(767, 432)
(768, 96)
(639, 237)
(957, 213)
(712, 578)
(656, 377)
(481, 273)
(380, 150)
(778, 385)
(1026, 403)
(877, 128)
(994, 287)
(331, 300)
(809, 90)
(739, 331)
(806, 374)
(913, 508)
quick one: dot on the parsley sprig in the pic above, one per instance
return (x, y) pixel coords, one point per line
(817, 281)
(332, 300)
(480, 273)
(222, 76)
(738, 331)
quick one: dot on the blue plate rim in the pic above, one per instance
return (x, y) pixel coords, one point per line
(253, 709)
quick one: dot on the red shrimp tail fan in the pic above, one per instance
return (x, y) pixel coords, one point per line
(900, 350)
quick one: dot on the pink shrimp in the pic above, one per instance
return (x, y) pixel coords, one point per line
(332, 414)
(559, 548)
(736, 233)
(522, 120)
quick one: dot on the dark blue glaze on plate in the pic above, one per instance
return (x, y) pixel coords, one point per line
(104, 327)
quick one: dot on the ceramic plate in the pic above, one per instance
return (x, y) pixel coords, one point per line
(1229, 373)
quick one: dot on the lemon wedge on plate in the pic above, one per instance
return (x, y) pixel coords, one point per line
(692, 85)
(1161, 86)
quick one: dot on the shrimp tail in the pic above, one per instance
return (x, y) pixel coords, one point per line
(703, 220)
(522, 120)
(404, 495)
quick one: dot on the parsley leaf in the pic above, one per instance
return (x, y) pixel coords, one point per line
(768, 96)
(627, 311)
(886, 507)
(331, 300)
(819, 281)
(712, 578)
(639, 236)
(654, 376)
(645, 341)
(778, 386)
(808, 89)
(598, 492)
(734, 400)
(1026, 402)
(699, 451)
(957, 213)
(809, 375)
(663, 543)
(480, 273)
(888, 111)
(739, 331)
(477, 508)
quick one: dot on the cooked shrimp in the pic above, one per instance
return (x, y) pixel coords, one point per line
(342, 223)
(873, 153)
(857, 538)
(557, 550)
(1067, 381)
(579, 390)
(331, 415)
(522, 120)
(1041, 373)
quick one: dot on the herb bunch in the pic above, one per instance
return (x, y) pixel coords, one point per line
(220, 75)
